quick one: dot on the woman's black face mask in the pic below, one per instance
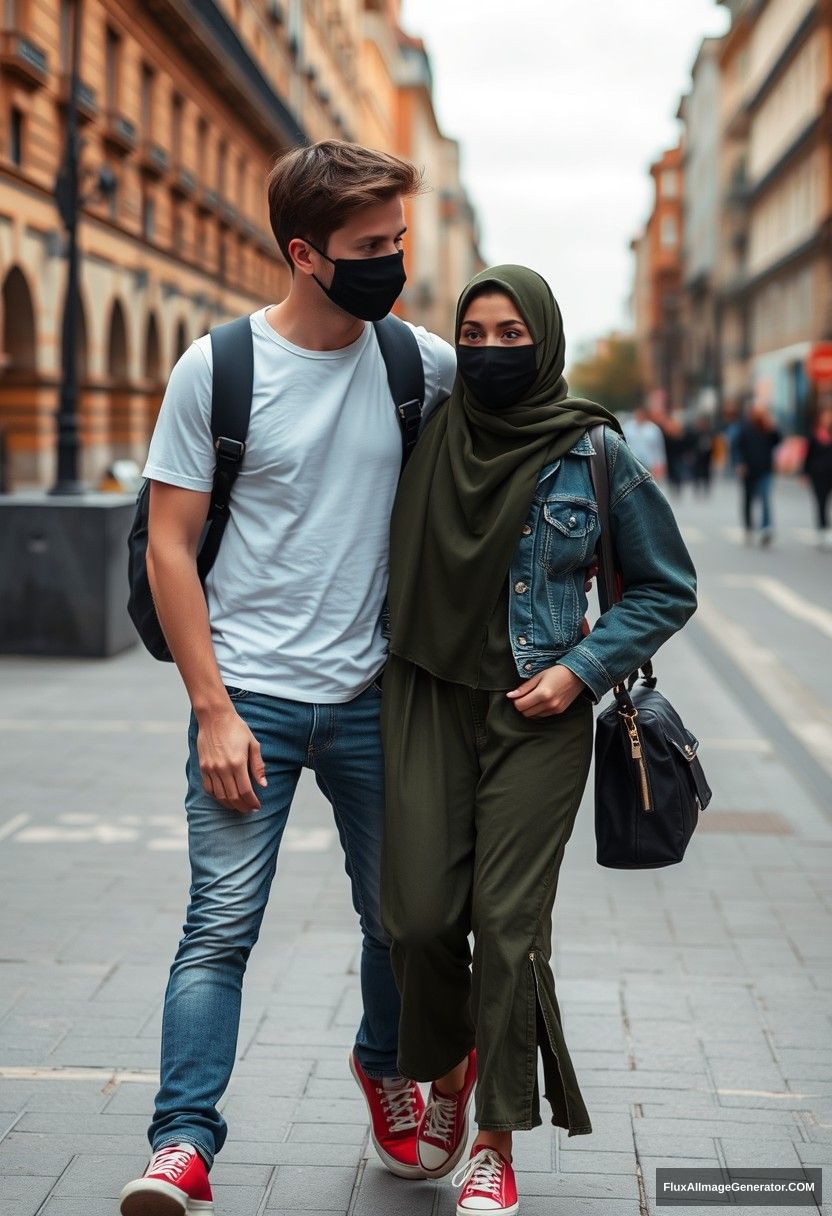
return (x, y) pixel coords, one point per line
(498, 376)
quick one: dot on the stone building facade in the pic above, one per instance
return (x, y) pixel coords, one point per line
(187, 103)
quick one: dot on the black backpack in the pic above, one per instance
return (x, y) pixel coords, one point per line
(233, 379)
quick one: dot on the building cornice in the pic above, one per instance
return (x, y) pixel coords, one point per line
(205, 32)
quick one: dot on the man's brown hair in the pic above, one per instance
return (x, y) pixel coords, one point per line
(316, 189)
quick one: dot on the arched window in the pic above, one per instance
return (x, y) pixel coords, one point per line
(117, 361)
(19, 348)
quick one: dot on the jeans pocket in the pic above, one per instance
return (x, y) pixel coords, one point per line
(237, 694)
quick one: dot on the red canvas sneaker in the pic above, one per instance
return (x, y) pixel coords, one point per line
(396, 1106)
(487, 1183)
(443, 1132)
(175, 1182)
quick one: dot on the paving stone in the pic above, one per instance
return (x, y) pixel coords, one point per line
(319, 1187)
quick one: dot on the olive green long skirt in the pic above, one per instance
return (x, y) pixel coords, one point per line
(480, 803)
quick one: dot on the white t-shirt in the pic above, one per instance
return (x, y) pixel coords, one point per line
(296, 592)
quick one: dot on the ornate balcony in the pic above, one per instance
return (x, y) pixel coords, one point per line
(153, 159)
(85, 98)
(119, 132)
(24, 59)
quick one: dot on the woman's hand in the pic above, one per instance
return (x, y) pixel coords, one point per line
(549, 692)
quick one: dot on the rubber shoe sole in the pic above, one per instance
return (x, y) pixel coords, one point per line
(394, 1166)
(152, 1197)
(453, 1161)
(512, 1211)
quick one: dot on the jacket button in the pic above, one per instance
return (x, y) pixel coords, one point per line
(520, 588)
(528, 666)
(572, 521)
(524, 641)
(527, 530)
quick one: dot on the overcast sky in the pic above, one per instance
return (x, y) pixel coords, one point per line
(560, 107)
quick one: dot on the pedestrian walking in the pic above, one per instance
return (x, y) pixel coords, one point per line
(817, 469)
(487, 717)
(646, 441)
(702, 455)
(756, 441)
(282, 652)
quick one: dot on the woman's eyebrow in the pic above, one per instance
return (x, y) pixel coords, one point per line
(504, 324)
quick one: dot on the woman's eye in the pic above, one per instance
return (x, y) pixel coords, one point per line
(511, 334)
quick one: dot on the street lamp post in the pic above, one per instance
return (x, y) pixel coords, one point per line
(69, 202)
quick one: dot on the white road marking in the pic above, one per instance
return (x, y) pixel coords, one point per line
(118, 1076)
(11, 825)
(783, 596)
(161, 834)
(801, 712)
(94, 726)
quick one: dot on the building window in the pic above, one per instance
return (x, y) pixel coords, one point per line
(148, 217)
(202, 144)
(668, 233)
(112, 68)
(148, 83)
(177, 109)
(67, 27)
(241, 185)
(177, 227)
(16, 136)
(670, 184)
(222, 154)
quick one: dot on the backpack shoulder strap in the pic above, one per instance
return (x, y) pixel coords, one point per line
(232, 355)
(405, 375)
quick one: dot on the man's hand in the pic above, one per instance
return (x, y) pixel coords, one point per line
(591, 573)
(229, 756)
(548, 693)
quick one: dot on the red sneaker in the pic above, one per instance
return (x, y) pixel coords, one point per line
(175, 1182)
(487, 1183)
(443, 1132)
(396, 1106)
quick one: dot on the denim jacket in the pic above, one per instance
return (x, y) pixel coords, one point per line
(547, 600)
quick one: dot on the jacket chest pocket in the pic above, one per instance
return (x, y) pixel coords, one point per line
(570, 533)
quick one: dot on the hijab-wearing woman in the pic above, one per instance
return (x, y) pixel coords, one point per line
(487, 716)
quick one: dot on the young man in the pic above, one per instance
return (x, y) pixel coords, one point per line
(281, 663)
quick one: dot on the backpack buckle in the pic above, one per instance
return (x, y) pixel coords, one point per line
(410, 410)
(231, 449)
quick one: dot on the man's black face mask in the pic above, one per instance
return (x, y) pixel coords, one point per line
(498, 376)
(366, 288)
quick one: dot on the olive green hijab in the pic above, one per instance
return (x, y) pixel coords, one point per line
(467, 490)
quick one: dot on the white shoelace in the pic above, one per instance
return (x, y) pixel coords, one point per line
(484, 1172)
(171, 1161)
(399, 1106)
(439, 1118)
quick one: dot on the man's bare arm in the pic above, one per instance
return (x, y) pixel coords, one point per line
(229, 754)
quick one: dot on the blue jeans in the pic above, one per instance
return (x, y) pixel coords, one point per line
(233, 858)
(757, 486)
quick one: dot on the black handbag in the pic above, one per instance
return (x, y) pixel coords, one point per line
(649, 782)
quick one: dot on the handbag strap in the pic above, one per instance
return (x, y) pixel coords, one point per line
(609, 589)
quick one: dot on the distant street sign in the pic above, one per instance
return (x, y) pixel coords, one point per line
(819, 363)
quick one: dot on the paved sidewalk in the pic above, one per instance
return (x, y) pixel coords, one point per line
(696, 999)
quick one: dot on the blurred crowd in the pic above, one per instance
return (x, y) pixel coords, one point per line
(690, 450)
